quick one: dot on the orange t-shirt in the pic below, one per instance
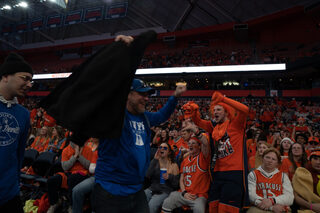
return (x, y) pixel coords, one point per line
(268, 187)
(251, 148)
(94, 157)
(182, 144)
(287, 167)
(230, 151)
(252, 162)
(301, 128)
(48, 120)
(196, 176)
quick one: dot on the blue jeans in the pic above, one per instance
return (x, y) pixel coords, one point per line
(155, 200)
(79, 192)
(103, 202)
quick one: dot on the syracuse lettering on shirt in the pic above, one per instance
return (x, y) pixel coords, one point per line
(230, 146)
(196, 176)
(268, 187)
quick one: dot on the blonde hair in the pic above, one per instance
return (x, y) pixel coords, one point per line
(258, 160)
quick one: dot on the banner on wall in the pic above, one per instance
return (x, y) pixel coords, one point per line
(118, 10)
(22, 27)
(73, 17)
(54, 20)
(93, 14)
(37, 24)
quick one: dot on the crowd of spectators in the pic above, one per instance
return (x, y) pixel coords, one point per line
(287, 125)
(197, 56)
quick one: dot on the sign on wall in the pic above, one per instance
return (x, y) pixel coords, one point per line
(93, 14)
(118, 10)
(73, 17)
(54, 20)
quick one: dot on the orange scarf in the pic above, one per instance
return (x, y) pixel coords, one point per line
(220, 130)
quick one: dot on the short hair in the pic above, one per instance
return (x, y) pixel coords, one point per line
(273, 150)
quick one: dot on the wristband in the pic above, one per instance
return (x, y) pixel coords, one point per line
(183, 193)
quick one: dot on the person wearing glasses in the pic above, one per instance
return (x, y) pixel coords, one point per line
(123, 162)
(15, 81)
(163, 174)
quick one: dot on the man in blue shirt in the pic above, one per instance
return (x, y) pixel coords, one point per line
(123, 162)
(15, 81)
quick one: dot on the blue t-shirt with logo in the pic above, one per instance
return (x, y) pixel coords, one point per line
(123, 162)
(14, 127)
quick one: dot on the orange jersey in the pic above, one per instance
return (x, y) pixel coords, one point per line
(269, 187)
(196, 175)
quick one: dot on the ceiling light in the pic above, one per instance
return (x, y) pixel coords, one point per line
(23, 4)
(7, 7)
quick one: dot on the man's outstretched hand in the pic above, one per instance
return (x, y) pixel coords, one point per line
(179, 90)
(125, 39)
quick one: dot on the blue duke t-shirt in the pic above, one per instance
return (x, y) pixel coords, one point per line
(125, 160)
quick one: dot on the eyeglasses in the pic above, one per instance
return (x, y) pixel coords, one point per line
(26, 79)
(163, 147)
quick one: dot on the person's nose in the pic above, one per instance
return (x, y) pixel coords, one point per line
(29, 84)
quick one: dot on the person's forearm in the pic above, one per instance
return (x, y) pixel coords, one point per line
(182, 187)
(66, 165)
(203, 124)
(236, 105)
(85, 163)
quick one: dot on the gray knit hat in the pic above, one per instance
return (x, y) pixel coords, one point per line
(14, 63)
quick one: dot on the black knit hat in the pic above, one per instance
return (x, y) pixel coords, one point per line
(14, 63)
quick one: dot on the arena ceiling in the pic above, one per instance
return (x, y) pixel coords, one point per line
(166, 15)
